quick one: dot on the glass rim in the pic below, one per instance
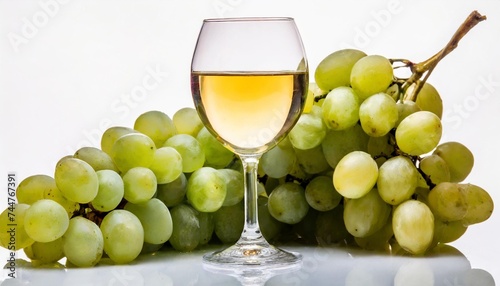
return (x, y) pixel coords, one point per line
(248, 19)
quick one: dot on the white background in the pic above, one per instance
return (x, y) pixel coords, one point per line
(70, 69)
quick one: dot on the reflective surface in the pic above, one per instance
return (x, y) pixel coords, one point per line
(321, 266)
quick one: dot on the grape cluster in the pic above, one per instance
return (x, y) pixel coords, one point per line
(387, 183)
(362, 166)
(162, 180)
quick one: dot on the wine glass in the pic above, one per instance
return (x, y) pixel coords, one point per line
(249, 79)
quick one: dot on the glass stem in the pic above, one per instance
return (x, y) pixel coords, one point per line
(251, 231)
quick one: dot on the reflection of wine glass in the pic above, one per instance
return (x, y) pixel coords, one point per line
(249, 80)
(254, 277)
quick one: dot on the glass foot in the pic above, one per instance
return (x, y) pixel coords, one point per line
(252, 255)
(252, 263)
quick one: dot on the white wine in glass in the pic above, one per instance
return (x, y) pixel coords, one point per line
(249, 79)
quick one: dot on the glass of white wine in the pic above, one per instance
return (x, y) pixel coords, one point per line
(249, 80)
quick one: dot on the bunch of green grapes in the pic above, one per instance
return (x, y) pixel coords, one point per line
(399, 186)
(157, 184)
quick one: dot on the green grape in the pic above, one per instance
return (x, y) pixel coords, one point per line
(366, 215)
(155, 219)
(123, 236)
(206, 189)
(33, 188)
(269, 226)
(45, 252)
(156, 125)
(435, 168)
(422, 183)
(378, 240)
(378, 114)
(312, 161)
(330, 227)
(337, 144)
(309, 102)
(397, 180)
(187, 121)
(321, 195)
(229, 222)
(380, 148)
(308, 132)
(45, 221)
(14, 237)
(83, 242)
(139, 185)
(419, 133)
(207, 226)
(98, 159)
(340, 110)
(186, 231)
(287, 203)
(173, 193)
(278, 162)
(458, 158)
(405, 108)
(355, 175)
(370, 75)
(394, 91)
(111, 191)
(480, 204)
(446, 232)
(216, 155)
(167, 165)
(190, 149)
(413, 225)
(335, 69)
(235, 189)
(112, 134)
(261, 189)
(447, 202)
(428, 99)
(133, 150)
(77, 180)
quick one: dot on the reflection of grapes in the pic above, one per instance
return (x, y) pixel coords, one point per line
(364, 165)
